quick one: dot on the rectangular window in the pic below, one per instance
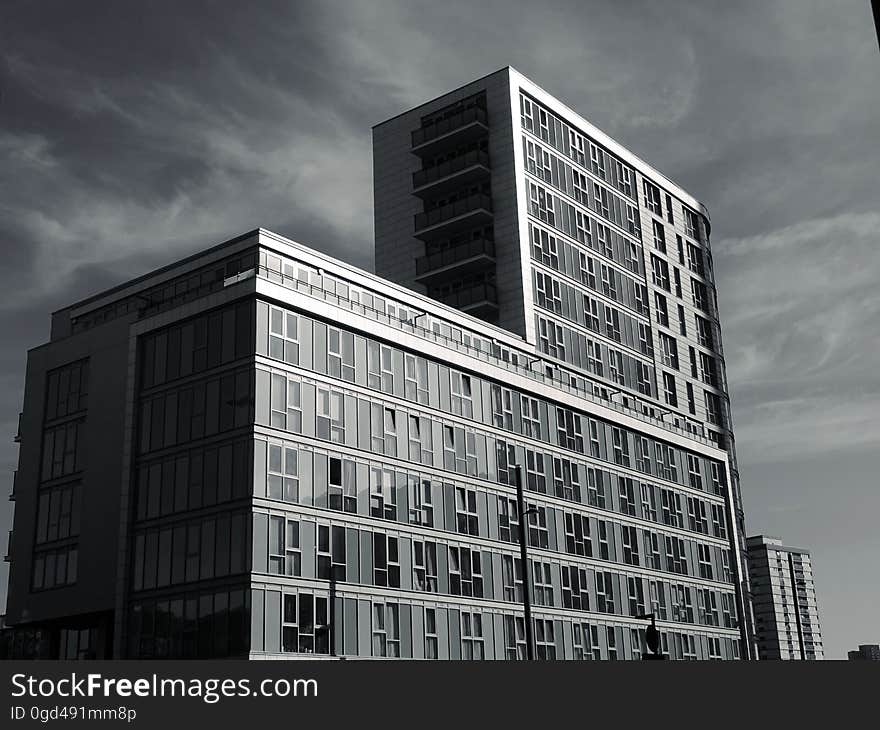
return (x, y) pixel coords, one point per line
(661, 312)
(575, 591)
(577, 535)
(466, 517)
(626, 494)
(630, 543)
(382, 493)
(282, 480)
(424, 556)
(386, 630)
(472, 643)
(604, 592)
(652, 198)
(386, 561)
(465, 572)
(531, 420)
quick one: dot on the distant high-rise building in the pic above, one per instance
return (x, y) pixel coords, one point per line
(783, 600)
(865, 651)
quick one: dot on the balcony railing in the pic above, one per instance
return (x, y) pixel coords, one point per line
(455, 254)
(445, 169)
(447, 212)
(477, 294)
(449, 124)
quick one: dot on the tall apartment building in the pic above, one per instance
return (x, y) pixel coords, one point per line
(783, 600)
(499, 200)
(261, 451)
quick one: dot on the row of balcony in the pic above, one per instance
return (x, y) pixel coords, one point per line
(447, 219)
(462, 259)
(455, 173)
(466, 125)
(480, 300)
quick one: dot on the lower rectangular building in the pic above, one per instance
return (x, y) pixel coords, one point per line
(259, 451)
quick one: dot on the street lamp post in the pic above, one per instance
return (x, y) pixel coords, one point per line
(524, 559)
(652, 638)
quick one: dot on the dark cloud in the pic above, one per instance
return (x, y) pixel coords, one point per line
(131, 134)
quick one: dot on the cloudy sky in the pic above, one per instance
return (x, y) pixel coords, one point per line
(135, 133)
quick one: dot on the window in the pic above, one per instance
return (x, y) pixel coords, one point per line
(340, 354)
(649, 504)
(605, 551)
(421, 446)
(538, 533)
(595, 488)
(382, 493)
(615, 366)
(643, 455)
(466, 518)
(541, 204)
(291, 420)
(431, 638)
(691, 223)
(697, 519)
(331, 552)
(586, 641)
(511, 578)
(67, 390)
(666, 461)
(695, 259)
(695, 476)
(719, 524)
(581, 221)
(416, 379)
(472, 645)
(605, 245)
(591, 313)
(594, 357)
(304, 631)
(386, 630)
(626, 494)
(612, 323)
(514, 638)
(545, 648)
(284, 547)
(587, 266)
(636, 594)
(566, 482)
(705, 561)
(660, 272)
(460, 394)
(692, 404)
(669, 391)
(652, 550)
(704, 331)
(643, 378)
(550, 338)
(717, 485)
(661, 312)
(713, 408)
(597, 161)
(531, 421)
(708, 373)
(652, 198)
(283, 473)
(62, 451)
(465, 572)
(580, 188)
(609, 281)
(676, 555)
(700, 295)
(386, 561)
(670, 507)
(659, 236)
(508, 519)
(575, 593)
(542, 583)
(505, 461)
(58, 513)
(421, 501)
(544, 247)
(502, 407)
(620, 446)
(593, 427)
(668, 350)
(425, 566)
(342, 484)
(568, 429)
(604, 592)
(536, 478)
(669, 216)
(547, 292)
(630, 543)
